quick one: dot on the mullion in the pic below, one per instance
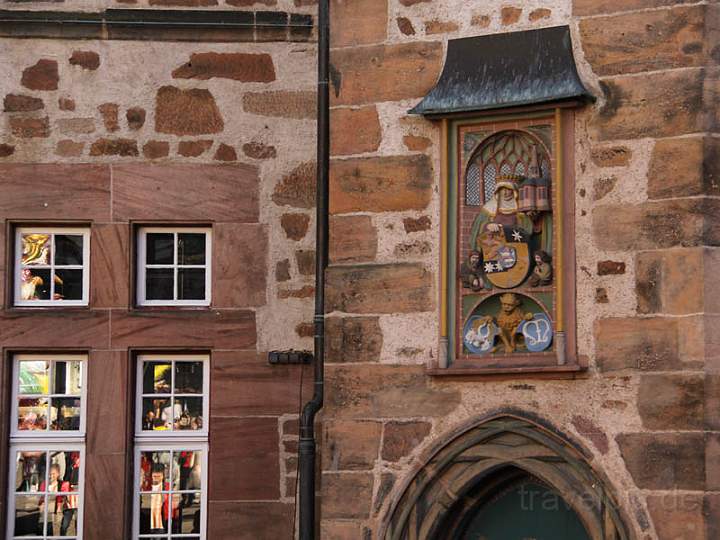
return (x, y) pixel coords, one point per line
(175, 275)
(52, 267)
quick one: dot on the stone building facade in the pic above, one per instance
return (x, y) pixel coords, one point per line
(116, 128)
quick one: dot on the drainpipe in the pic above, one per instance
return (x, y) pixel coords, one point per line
(307, 446)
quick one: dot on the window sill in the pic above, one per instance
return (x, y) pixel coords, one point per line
(570, 371)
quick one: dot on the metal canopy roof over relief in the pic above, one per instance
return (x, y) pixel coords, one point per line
(505, 70)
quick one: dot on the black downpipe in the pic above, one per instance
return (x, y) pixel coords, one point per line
(307, 445)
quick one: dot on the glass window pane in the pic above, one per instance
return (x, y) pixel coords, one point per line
(155, 470)
(34, 284)
(72, 470)
(157, 377)
(157, 414)
(188, 377)
(62, 515)
(153, 513)
(68, 249)
(32, 414)
(188, 413)
(65, 414)
(159, 248)
(191, 248)
(191, 284)
(67, 377)
(68, 285)
(29, 471)
(29, 515)
(35, 249)
(188, 464)
(190, 515)
(159, 283)
(33, 376)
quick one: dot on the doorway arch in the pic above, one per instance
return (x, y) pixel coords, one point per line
(490, 460)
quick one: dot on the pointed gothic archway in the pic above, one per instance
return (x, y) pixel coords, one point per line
(485, 468)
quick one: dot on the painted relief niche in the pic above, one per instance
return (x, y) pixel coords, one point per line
(505, 104)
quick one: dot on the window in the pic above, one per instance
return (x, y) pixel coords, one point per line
(173, 267)
(171, 446)
(47, 447)
(51, 266)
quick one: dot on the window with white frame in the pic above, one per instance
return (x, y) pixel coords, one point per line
(51, 266)
(173, 266)
(47, 447)
(171, 447)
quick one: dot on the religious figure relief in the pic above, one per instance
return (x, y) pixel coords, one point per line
(471, 272)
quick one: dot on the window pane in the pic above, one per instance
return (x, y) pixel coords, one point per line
(157, 414)
(62, 515)
(191, 284)
(65, 414)
(157, 377)
(29, 515)
(30, 471)
(154, 513)
(159, 248)
(33, 376)
(188, 377)
(72, 470)
(155, 470)
(68, 285)
(189, 465)
(159, 284)
(35, 249)
(191, 248)
(190, 516)
(67, 377)
(68, 249)
(34, 284)
(188, 413)
(32, 414)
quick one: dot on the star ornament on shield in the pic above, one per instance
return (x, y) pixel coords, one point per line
(517, 235)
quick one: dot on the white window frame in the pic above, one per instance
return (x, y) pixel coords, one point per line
(48, 434)
(72, 446)
(142, 265)
(200, 434)
(17, 267)
(190, 444)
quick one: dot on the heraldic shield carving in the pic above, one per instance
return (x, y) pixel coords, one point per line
(505, 286)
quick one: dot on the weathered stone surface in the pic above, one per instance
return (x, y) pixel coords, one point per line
(75, 126)
(353, 339)
(346, 495)
(305, 330)
(114, 147)
(386, 391)
(306, 291)
(678, 516)
(411, 225)
(282, 270)
(605, 268)
(587, 428)
(354, 131)
(184, 3)
(305, 259)
(382, 184)
(637, 343)
(107, 506)
(644, 41)
(241, 462)
(603, 186)
(41, 76)
(29, 128)
(599, 7)
(408, 3)
(239, 267)
(281, 103)
(85, 59)
(68, 148)
(405, 26)
(350, 445)
(297, 188)
(415, 248)
(156, 149)
(352, 239)
(248, 3)
(171, 192)
(66, 104)
(665, 460)
(601, 296)
(361, 22)
(109, 265)
(401, 438)
(341, 530)
(386, 288)
(135, 117)
(510, 15)
(259, 150)
(670, 281)
(48, 329)
(386, 72)
(243, 520)
(387, 481)
(440, 27)
(242, 67)
(684, 167)
(20, 103)
(186, 112)
(483, 21)
(611, 156)
(539, 14)
(109, 113)
(657, 225)
(416, 144)
(674, 401)
(6, 150)
(661, 104)
(194, 148)
(295, 225)
(225, 152)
